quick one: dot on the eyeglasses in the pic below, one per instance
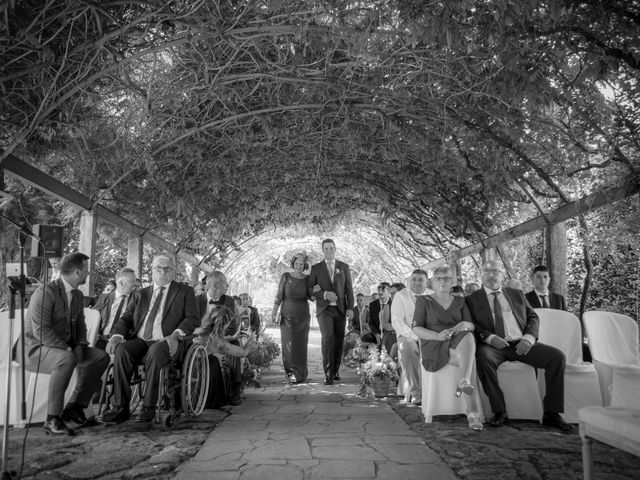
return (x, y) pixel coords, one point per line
(158, 268)
(442, 279)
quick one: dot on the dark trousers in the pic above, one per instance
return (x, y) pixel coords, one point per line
(540, 356)
(332, 324)
(128, 356)
(60, 364)
(388, 340)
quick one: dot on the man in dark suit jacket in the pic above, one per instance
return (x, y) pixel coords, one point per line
(507, 330)
(540, 296)
(330, 284)
(216, 295)
(150, 330)
(254, 315)
(113, 304)
(56, 343)
(376, 307)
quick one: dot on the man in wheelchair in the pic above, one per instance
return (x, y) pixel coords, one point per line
(148, 332)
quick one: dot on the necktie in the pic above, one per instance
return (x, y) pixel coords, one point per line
(331, 269)
(497, 311)
(73, 309)
(545, 303)
(148, 328)
(123, 302)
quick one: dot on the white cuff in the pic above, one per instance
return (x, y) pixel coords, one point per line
(529, 338)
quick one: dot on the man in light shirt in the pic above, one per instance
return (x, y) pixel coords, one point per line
(507, 330)
(402, 309)
(149, 331)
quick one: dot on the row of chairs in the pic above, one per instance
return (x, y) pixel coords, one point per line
(613, 340)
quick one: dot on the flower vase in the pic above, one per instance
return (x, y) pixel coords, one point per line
(380, 385)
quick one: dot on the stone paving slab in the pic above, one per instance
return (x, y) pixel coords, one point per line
(313, 432)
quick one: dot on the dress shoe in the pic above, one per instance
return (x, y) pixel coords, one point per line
(328, 381)
(553, 419)
(336, 377)
(292, 378)
(499, 419)
(115, 415)
(56, 426)
(146, 414)
(235, 400)
(74, 413)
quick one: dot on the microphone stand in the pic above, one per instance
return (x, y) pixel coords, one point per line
(16, 285)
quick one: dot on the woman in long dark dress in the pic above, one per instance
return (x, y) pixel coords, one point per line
(294, 319)
(443, 323)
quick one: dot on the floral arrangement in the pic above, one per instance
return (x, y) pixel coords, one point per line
(266, 351)
(378, 364)
(351, 342)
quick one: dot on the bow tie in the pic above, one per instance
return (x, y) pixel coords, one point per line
(212, 302)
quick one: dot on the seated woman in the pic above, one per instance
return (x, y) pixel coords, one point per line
(443, 323)
(211, 334)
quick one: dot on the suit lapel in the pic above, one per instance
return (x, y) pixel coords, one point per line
(172, 291)
(515, 308)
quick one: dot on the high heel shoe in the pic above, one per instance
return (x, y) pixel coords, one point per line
(474, 421)
(464, 387)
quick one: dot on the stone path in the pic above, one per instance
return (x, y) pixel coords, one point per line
(313, 431)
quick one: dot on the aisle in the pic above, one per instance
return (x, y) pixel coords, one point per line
(312, 431)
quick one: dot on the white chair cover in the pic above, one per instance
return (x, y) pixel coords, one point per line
(6, 345)
(40, 383)
(438, 393)
(625, 387)
(518, 383)
(561, 329)
(613, 341)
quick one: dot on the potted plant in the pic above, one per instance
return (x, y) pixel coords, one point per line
(378, 371)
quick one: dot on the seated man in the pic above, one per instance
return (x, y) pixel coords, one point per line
(149, 331)
(111, 305)
(507, 330)
(540, 296)
(56, 343)
(216, 296)
(402, 310)
(251, 312)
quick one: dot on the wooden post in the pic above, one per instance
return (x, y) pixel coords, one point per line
(134, 254)
(87, 245)
(487, 254)
(195, 274)
(557, 257)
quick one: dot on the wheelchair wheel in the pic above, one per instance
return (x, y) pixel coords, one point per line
(106, 391)
(195, 380)
(168, 420)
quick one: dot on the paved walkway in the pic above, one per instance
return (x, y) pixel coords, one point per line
(313, 431)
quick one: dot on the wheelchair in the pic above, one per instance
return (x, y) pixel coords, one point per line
(183, 387)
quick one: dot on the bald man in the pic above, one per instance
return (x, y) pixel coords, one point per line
(507, 330)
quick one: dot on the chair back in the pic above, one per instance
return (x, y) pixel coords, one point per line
(5, 345)
(92, 320)
(613, 337)
(561, 329)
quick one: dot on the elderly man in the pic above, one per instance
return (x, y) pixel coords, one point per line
(402, 309)
(56, 343)
(111, 305)
(149, 331)
(216, 295)
(253, 315)
(507, 330)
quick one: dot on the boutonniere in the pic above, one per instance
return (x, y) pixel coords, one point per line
(338, 271)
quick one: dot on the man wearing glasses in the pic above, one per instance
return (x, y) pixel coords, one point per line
(149, 331)
(507, 330)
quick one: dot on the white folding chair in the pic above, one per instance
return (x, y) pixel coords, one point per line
(438, 393)
(561, 329)
(40, 383)
(613, 341)
(6, 345)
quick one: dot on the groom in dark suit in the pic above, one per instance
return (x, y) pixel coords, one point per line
(330, 284)
(149, 331)
(56, 343)
(507, 330)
